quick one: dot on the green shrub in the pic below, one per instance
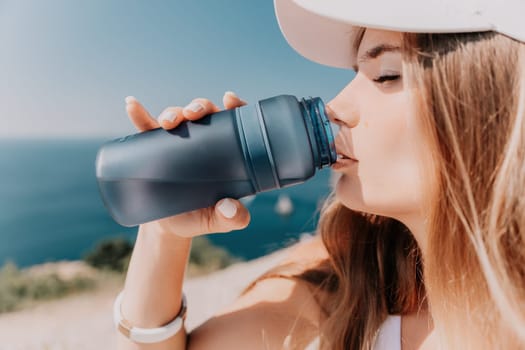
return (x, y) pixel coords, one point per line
(114, 254)
(206, 257)
(9, 274)
(19, 287)
(111, 254)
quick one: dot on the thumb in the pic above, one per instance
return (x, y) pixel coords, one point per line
(228, 215)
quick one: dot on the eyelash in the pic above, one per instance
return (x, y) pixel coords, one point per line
(385, 78)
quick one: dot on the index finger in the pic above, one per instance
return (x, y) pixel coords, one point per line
(231, 100)
(139, 115)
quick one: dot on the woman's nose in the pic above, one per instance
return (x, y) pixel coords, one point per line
(332, 116)
(342, 110)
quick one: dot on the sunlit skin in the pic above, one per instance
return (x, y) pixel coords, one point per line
(378, 130)
(381, 135)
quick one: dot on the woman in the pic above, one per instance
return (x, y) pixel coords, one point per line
(424, 236)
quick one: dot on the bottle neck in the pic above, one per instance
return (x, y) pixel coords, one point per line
(322, 137)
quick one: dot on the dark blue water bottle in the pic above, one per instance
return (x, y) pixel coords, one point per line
(275, 143)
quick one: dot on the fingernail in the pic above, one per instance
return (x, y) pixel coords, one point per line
(130, 99)
(231, 93)
(168, 116)
(234, 95)
(227, 208)
(194, 107)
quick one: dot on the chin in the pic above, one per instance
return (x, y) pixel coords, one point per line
(348, 196)
(351, 196)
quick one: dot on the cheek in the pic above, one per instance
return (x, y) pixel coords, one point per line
(384, 132)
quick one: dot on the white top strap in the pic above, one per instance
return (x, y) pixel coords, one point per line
(389, 336)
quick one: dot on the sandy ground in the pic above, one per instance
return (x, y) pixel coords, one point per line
(84, 321)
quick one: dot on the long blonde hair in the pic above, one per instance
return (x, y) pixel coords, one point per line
(471, 98)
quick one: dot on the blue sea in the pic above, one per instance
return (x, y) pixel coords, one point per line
(50, 208)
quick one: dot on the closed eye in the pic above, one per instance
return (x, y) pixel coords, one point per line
(384, 78)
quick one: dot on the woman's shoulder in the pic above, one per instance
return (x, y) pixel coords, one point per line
(310, 250)
(274, 312)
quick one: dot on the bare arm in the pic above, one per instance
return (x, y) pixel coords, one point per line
(153, 287)
(152, 292)
(276, 312)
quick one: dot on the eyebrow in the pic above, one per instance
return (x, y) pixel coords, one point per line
(375, 52)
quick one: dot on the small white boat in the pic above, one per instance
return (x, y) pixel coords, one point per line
(284, 205)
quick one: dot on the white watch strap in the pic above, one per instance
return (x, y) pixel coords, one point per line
(147, 335)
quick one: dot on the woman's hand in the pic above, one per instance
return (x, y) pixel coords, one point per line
(228, 214)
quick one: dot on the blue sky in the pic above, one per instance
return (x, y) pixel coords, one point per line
(66, 66)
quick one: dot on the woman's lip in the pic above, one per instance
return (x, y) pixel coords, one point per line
(342, 155)
(348, 157)
(343, 163)
(341, 151)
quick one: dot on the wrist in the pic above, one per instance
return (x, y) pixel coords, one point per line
(148, 335)
(159, 231)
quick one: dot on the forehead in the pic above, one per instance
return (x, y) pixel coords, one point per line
(375, 37)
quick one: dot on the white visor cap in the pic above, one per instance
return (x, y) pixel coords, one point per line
(323, 30)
